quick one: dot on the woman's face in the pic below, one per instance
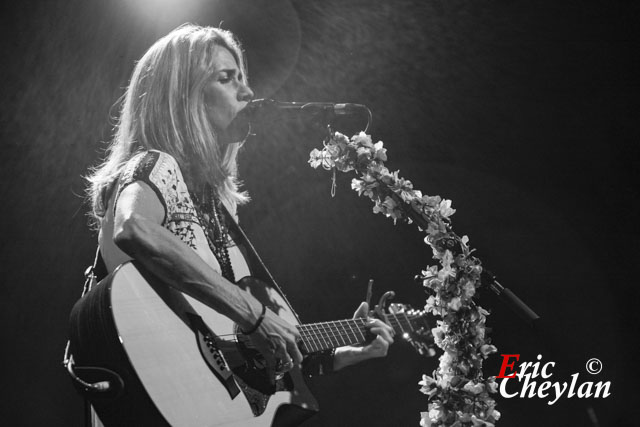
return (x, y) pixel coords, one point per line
(225, 94)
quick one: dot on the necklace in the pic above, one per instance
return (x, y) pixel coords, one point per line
(210, 212)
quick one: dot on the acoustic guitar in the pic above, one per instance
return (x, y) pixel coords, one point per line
(168, 359)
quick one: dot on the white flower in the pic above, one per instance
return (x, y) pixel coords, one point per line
(428, 385)
(332, 150)
(340, 138)
(386, 207)
(495, 414)
(435, 414)
(488, 349)
(445, 361)
(363, 152)
(380, 153)
(362, 139)
(445, 209)
(357, 185)
(424, 419)
(432, 271)
(474, 388)
(469, 289)
(315, 158)
(445, 380)
(455, 304)
(492, 386)
(438, 336)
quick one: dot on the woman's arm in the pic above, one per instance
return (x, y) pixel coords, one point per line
(138, 232)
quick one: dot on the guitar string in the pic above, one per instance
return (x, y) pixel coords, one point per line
(313, 344)
(402, 324)
(320, 329)
(324, 333)
(318, 334)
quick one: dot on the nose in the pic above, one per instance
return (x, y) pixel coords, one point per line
(245, 94)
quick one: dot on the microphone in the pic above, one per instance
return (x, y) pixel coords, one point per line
(259, 113)
(338, 109)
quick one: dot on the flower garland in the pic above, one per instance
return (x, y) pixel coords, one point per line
(458, 394)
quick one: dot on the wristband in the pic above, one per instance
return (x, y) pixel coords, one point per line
(258, 322)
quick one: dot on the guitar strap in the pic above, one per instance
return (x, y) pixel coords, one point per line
(316, 364)
(99, 267)
(257, 266)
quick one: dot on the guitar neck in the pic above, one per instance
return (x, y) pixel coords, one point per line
(322, 336)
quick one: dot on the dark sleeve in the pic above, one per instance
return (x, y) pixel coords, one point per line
(318, 363)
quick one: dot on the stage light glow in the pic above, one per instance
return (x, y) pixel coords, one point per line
(168, 13)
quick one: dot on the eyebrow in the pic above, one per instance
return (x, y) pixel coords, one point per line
(227, 70)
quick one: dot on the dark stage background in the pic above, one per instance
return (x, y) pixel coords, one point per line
(523, 113)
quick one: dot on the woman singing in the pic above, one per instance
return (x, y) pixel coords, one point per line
(167, 191)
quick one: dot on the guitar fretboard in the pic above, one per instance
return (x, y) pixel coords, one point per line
(327, 335)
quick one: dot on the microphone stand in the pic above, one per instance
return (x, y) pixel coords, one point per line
(325, 113)
(506, 295)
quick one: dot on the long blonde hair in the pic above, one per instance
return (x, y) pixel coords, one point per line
(163, 109)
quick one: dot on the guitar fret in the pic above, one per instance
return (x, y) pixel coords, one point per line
(406, 318)
(349, 339)
(326, 332)
(333, 338)
(321, 336)
(363, 332)
(327, 344)
(316, 337)
(335, 326)
(357, 339)
(305, 340)
(325, 335)
(361, 328)
(399, 322)
(310, 341)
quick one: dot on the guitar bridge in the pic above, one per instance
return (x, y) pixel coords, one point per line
(213, 357)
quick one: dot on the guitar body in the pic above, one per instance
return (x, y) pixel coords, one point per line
(181, 362)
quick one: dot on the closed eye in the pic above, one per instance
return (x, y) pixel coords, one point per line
(227, 76)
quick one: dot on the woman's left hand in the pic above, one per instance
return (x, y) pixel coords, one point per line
(378, 347)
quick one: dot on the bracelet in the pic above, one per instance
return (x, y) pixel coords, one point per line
(258, 322)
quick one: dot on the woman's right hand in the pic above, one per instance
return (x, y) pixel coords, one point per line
(276, 339)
